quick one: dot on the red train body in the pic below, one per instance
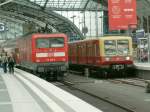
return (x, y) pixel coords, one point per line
(43, 53)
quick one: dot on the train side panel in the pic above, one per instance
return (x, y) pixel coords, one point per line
(92, 51)
(24, 51)
(73, 53)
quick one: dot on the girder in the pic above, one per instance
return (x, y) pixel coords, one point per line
(24, 12)
(15, 20)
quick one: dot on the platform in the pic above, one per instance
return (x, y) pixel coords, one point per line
(129, 96)
(142, 66)
(143, 70)
(23, 92)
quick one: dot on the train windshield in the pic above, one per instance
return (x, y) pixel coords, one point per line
(49, 42)
(56, 42)
(123, 47)
(110, 47)
(42, 43)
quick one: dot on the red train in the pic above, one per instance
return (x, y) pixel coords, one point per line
(109, 56)
(44, 54)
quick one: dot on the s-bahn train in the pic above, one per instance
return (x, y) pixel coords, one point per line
(43, 54)
(111, 56)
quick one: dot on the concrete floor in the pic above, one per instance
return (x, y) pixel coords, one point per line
(127, 95)
(5, 102)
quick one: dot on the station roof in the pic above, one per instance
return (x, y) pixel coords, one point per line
(70, 5)
(143, 7)
(41, 12)
(91, 5)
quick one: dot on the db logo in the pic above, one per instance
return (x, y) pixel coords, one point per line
(116, 10)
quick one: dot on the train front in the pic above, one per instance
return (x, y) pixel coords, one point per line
(116, 54)
(50, 52)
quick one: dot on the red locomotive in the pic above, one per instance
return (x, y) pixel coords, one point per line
(44, 54)
(109, 55)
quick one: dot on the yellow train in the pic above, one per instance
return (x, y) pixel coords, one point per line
(109, 55)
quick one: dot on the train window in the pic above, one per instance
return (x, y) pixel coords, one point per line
(110, 47)
(42, 43)
(96, 50)
(56, 42)
(123, 47)
(90, 51)
(49, 42)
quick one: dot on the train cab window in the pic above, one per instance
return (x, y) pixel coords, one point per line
(49, 42)
(56, 42)
(110, 47)
(42, 43)
(123, 47)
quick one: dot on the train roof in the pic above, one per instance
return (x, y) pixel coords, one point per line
(102, 38)
(84, 40)
(36, 33)
(114, 37)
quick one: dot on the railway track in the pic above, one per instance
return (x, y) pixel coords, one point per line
(105, 99)
(131, 81)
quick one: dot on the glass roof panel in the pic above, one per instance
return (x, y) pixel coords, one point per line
(64, 4)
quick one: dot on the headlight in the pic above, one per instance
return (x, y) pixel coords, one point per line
(59, 54)
(107, 59)
(40, 55)
(127, 58)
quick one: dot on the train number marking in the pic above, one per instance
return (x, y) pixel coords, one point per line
(118, 67)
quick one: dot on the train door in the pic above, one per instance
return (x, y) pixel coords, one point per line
(73, 53)
(83, 50)
(79, 56)
(95, 52)
(70, 53)
(88, 53)
(74, 58)
(78, 53)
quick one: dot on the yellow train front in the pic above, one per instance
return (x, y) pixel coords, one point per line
(109, 56)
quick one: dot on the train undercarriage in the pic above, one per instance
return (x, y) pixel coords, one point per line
(52, 72)
(105, 71)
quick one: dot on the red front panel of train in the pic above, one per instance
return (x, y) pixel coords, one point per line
(49, 48)
(116, 60)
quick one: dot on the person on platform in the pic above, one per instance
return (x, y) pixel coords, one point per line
(11, 63)
(4, 62)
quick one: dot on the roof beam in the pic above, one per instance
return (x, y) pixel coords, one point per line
(15, 15)
(11, 19)
(74, 9)
(34, 14)
(5, 2)
(45, 4)
(86, 4)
